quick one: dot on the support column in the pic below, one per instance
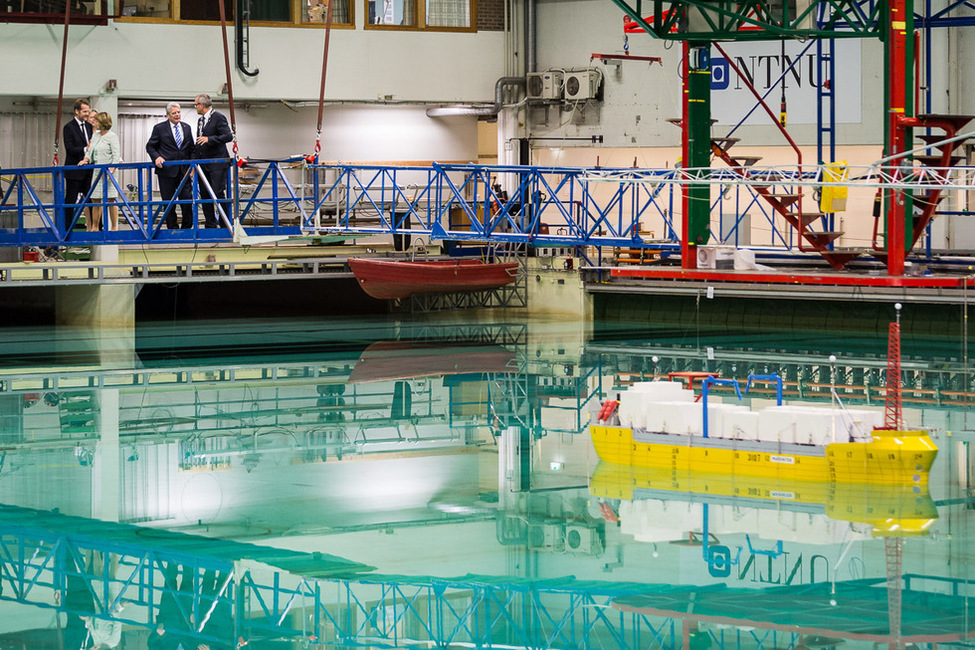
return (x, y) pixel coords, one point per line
(899, 89)
(696, 199)
(106, 313)
(106, 471)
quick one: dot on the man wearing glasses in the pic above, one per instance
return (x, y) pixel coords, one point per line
(212, 135)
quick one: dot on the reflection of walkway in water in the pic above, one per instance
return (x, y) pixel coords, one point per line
(854, 610)
(138, 576)
(219, 591)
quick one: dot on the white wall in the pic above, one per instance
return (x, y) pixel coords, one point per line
(350, 132)
(640, 97)
(177, 61)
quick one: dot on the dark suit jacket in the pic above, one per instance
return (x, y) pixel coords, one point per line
(74, 147)
(217, 130)
(162, 143)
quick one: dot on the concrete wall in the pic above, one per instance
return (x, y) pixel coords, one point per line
(556, 291)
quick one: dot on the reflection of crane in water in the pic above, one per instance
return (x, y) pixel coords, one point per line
(893, 420)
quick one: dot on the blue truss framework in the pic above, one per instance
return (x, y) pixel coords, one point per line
(947, 16)
(84, 576)
(483, 611)
(34, 212)
(226, 602)
(549, 206)
(128, 583)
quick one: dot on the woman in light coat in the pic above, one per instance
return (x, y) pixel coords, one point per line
(104, 149)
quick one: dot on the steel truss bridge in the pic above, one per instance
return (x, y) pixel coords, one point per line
(559, 207)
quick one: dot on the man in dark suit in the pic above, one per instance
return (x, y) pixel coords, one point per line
(212, 135)
(172, 140)
(77, 135)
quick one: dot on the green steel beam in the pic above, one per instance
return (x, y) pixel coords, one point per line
(755, 20)
(698, 98)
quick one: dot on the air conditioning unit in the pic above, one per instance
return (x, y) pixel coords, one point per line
(715, 257)
(544, 85)
(549, 537)
(582, 85)
(582, 540)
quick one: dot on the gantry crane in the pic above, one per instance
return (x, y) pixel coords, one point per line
(699, 23)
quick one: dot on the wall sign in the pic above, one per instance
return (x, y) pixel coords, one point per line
(762, 63)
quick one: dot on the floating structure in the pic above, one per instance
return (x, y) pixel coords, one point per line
(663, 426)
(393, 279)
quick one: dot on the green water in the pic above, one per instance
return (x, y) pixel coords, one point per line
(433, 482)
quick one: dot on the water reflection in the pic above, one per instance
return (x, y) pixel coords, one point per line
(244, 499)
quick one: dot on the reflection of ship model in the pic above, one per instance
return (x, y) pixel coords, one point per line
(661, 505)
(386, 360)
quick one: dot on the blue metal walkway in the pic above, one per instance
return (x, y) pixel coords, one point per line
(548, 207)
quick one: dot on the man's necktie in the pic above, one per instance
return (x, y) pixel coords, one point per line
(84, 132)
(199, 126)
(178, 134)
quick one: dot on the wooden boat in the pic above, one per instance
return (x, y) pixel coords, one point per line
(662, 426)
(389, 279)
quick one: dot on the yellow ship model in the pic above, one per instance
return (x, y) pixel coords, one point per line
(665, 425)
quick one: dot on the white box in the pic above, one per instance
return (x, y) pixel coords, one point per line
(716, 257)
(742, 425)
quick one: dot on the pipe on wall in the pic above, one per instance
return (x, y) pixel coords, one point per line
(483, 111)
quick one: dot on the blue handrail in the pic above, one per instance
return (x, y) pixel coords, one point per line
(548, 206)
(771, 377)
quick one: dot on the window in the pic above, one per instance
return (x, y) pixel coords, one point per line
(421, 14)
(274, 11)
(261, 12)
(205, 10)
(316, 11)
(448, 13)
(144, 9)
(392, 12)
(52, 11)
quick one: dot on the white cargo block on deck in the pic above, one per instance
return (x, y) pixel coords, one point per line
(718, 415)
(742, 425)
(778, 424)
(856, 423)
(629, 406)
(814, 426)
(675, 417)
(663, 391)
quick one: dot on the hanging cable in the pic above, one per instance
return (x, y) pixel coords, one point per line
(64, 58)
(230, 86)
(313, 159)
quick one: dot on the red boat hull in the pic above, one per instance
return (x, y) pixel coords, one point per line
(389, 279)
